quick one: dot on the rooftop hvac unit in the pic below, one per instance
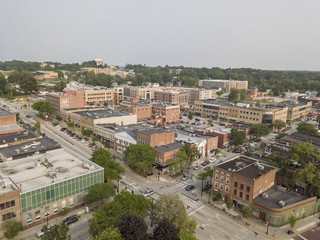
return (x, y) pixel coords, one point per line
(85, 165)
(265, 195)
(51, 174)
(282, 203)
(61, 169)
(281, 189)
(260, 167)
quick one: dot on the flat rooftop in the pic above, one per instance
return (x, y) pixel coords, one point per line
(8, 138)
(41, 170)
(155, 131)
(28, 147)
(298, 138)
(4, 112)
(117, 128)
(168, 148)
(241, 105)
(98, 114)
(246, 167)
(7, 185)
(10, 128)
(274, 195)
(165, 105)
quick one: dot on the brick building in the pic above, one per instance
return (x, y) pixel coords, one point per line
(7, 118)
(58, 100)
(124, 139)
(243, 179)
(201, 94)
(166, 152)
(99, 96)
(170, 113)
(155, 137)
(225, 85)
(142, 111)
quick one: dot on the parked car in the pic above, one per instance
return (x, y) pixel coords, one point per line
(207, 168)
(185, 177)
(147, 192)
(273, 139)
(28, 116)
(205, 163)
(40, 233)
(62, 129)
(212, 160)
(71, 219)
(197, 167)
(91, 145)
(190, 187)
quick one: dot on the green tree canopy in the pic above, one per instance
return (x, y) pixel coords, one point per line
(191, 115)
(279, 124)
(304, 152)
(42, 107)
(192, 152)
(165, 230)
(170, 207)
(292, 221)
(100, 192)
(56, 232)
(111, 214)
(37, 127)
(3, 84)
(233, 95)
(307, 128)
(259, 130)
(12, 229)
(219, 93)
(133, 228)
(311, 176)
(179, 163)
(140, 156)
(238, 137)
(246, 212)
(109, 233)
(28, 83)
(243, 94)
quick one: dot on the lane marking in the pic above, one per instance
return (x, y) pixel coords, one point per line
(215, 235)
(196, 210)
(305, 226)
(78, 233)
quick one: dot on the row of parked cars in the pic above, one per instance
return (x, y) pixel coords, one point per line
(75, 136)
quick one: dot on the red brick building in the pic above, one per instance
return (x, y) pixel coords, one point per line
(142, 111)
(170, 113)
(243, 179)
(155, 137)
(166, 152)
(223, 137)
(7, 118)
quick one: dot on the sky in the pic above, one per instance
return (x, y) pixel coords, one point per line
(263, 34)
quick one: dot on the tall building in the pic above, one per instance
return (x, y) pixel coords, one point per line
(7, 118)
(99, 96)
(59, 100)
(225, 85)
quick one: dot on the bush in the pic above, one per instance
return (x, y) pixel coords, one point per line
(12, 229)
(64, 212)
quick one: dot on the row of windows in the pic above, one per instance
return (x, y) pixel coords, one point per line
(8, 216)
(240, 194)
(6, 205)
(241, 186)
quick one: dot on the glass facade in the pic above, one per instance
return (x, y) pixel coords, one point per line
(60, 190)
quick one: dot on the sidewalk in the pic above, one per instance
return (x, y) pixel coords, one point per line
(258, 226)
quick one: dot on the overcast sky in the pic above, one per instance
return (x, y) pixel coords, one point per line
(265, 34)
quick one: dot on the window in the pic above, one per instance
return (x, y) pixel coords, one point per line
(227, 188)
(71, 202)
(221, 186)
(47, 211)
(8, 216)
(55, 208)
(79, 199)
(217, 177)
(29, 218)
(241, 194)
(248, 189)
(216, 184)
(247, 197)
(235, 191)
(241, 187)
(2, 206)
(12, 203)
(227, 180)
(64, 204)
(235, 184)
(37, 214)
(221, 178)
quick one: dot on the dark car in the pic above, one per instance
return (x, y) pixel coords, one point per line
(189, 187)
(71, 219)
(28, 116)
(205, 163)
(62, 129)
(207, 168)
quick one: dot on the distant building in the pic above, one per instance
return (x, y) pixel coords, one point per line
(169, 112)
(225, 85)
(99, 96)
(124, 139)
(155, 137)
(7, 118)
(46, 76)
(58, 100)
(166, 152)
(201, 94)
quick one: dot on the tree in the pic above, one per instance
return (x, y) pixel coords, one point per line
(109, 233)
(140, 157)
(37, 127)
(243, 94)
(71, 125)
(307, 128)
(56, 232)
(28, 83)
(246, 212)
(209, 121)
(192, 152)
(217, 151)
(229, 203)
(165, 230)
(42, 107)
(248, 151)
(3, 84)
(219, 93)
(271, 94)
(14, 77)
(281, 135)
(302, 153)
(292, 221)
(179, 163)
(311, 176)
(59, 86)
(94, 139)
(282, 162)
(112, 169)
(233, 95)
(238, 137)
(12, 229)
(17, 116)
(217, 196)
(259, 130)
(58, 117)
(133, 228)
(279, 124)
(111, 214)
(170, 207)
(186, 236)
(191, 115)
(100, 192)
(86, 132)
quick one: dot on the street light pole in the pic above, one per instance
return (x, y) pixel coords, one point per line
(267, 227)
(209, 195)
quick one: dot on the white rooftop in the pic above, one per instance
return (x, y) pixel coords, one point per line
(44, 169)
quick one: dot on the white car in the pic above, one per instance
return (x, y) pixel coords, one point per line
(86, 143)
(40, 233)
(212, 160)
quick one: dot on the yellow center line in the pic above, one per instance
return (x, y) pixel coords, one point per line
(215, 235)
(78, 233)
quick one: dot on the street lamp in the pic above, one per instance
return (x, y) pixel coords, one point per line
(267, 227)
